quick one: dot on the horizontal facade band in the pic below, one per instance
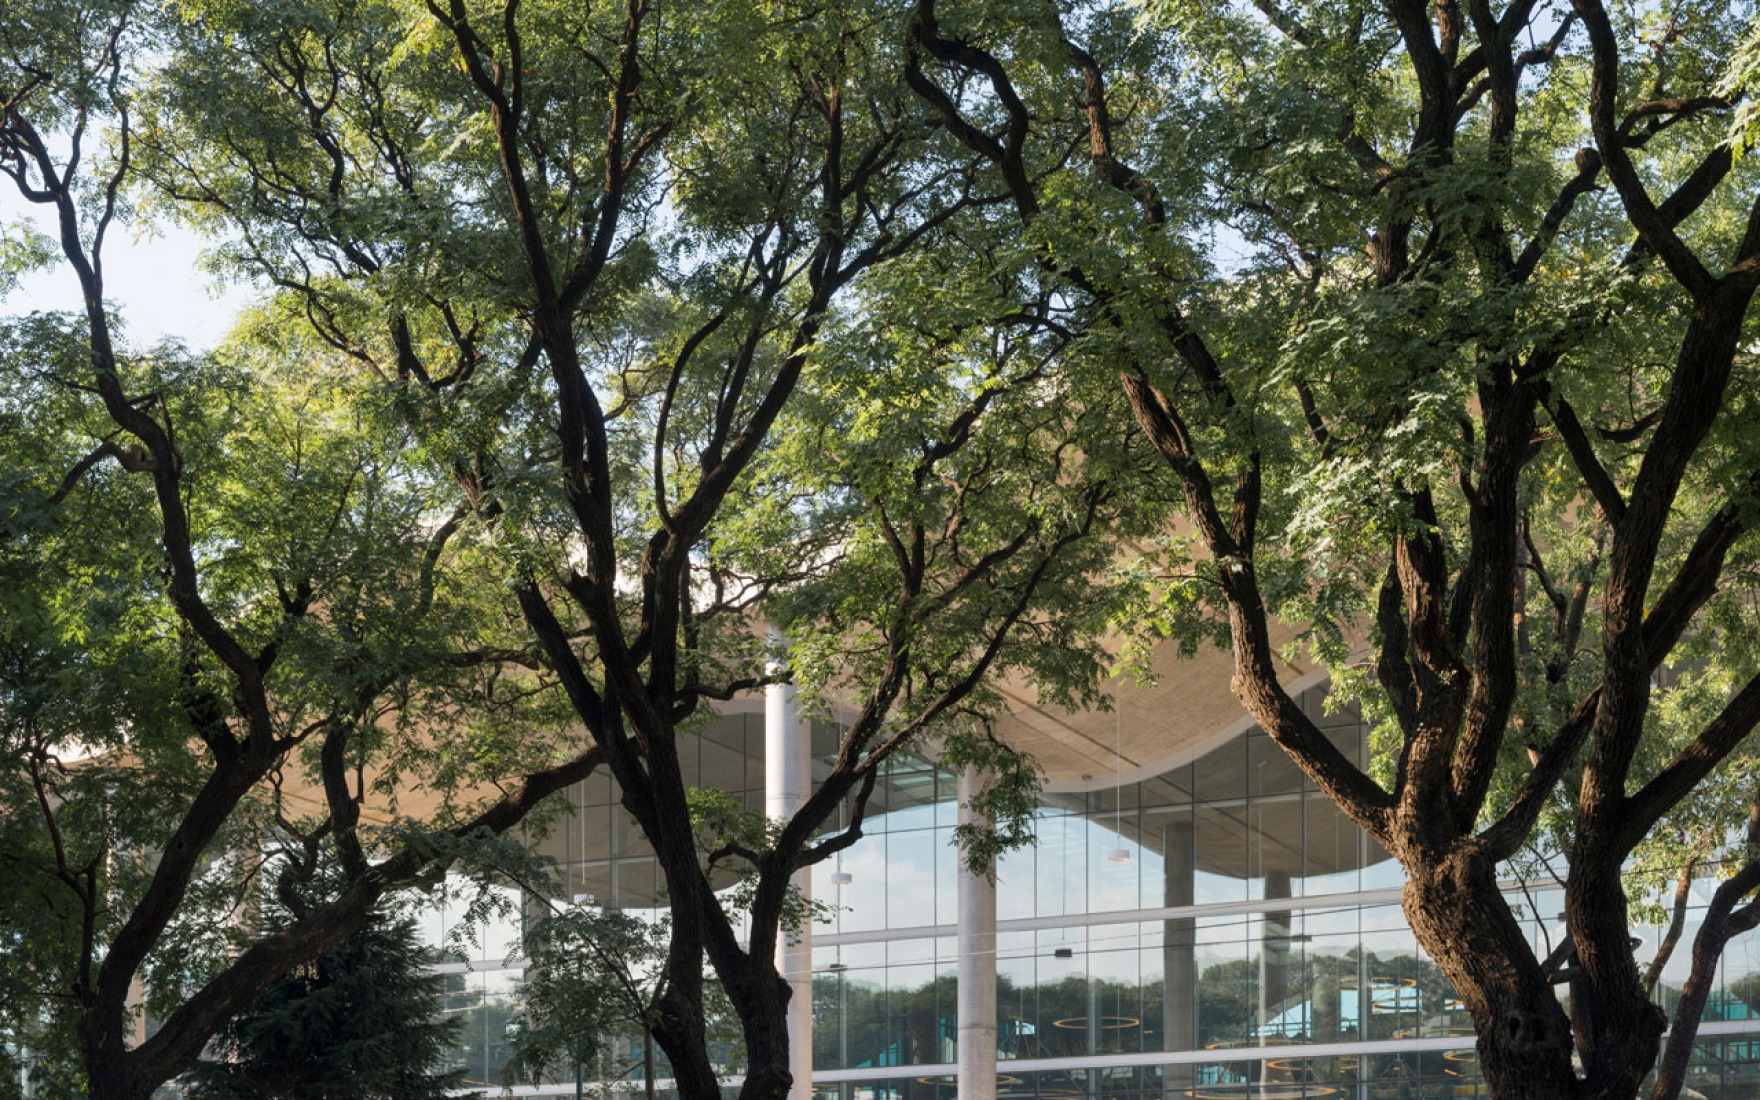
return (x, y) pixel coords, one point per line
(1388, 896)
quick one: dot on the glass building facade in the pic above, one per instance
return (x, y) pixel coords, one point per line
(1214, 931)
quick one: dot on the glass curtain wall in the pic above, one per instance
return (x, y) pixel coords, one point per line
(1250, 921)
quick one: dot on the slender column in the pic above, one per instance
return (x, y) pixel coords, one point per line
(1274, 953)
(977, 967)
(1178, 969)
(1274, 970)
(788, 781)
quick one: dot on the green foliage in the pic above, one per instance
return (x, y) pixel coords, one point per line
(1001, 815)
(1741, 84)
(825, 373)
(1369, 273)
(364, 1022)
(593, 980)
(370, 464)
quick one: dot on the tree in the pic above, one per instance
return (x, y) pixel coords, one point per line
(671, 424)
(590, 284)
(1473, 395)
(201, 565)
(592, 976)
(364, 1021)
(117, 731)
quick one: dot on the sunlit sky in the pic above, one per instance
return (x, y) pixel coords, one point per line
(159, 288)
(156, 283)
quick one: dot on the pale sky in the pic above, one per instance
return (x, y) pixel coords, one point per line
(157, 283)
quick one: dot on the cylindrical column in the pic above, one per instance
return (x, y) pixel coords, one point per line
(1274, 956)
(788, 780)
(977, 965)
(1274, 975)
(1178, 970)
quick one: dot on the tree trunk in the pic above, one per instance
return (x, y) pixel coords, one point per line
(1618, 1027)
(106, 1059)
(763, 1007)
(683, 1037)
(1460, 917)
(1720, 925)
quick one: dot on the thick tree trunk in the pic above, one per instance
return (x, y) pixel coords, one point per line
(106, 1059)
(682, 1035)
(1460, 917)
(763, 1007)
(1618, 1027)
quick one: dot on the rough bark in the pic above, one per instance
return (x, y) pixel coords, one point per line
(1456, 910)
(763, 998)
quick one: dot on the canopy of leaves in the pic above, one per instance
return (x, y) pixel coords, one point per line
(364, 1022)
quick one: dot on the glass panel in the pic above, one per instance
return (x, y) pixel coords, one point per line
(1173, 788)
(626, 835)
(752, 732)
(724, 766)
(910, 878)
(1017, 1031)
(947, 861)
(1221, 846)
(1061, 865)
(595, 789)
(593, 832)
(1269, 768)
(637, 884)
(1380, 870)
(1274, 846)
(1289, 1079)
(1227, 992)
(864, 1037)
(826, 735)
(911, 797)
(1331, 847)
(1430, 1073)
(862, 903)
(1221, 775)
(487, 1004)
(499, 935)
(1017, 883)
(829, 1014)
(590, 878)
(1112, 881)
(1115, 1016)
(946, 799)
(911, 1015)
(1061, 1019)
(1393, 984)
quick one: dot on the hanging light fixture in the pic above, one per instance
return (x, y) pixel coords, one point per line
(1120, 854)
(840, 877)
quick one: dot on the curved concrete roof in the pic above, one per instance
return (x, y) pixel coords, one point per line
(1188, 709)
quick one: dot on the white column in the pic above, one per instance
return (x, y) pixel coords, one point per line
(788, 780)
(977, 967)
